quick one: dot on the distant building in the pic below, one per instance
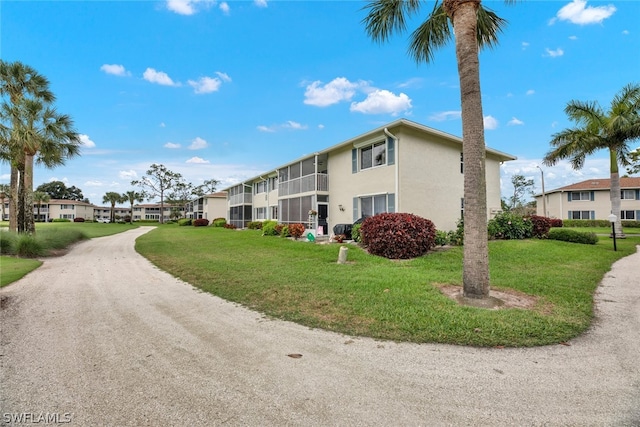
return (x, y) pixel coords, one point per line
(209, 206)
(591, 199)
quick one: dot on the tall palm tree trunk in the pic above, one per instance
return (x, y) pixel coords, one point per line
(29, 223)
(614, 194)
(475, 274)
(13, 199)
(21, 199)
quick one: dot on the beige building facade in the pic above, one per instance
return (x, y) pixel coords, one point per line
(210, 206)
(591, 199)
(401, 167)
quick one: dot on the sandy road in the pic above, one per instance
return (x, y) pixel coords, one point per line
(101, 337)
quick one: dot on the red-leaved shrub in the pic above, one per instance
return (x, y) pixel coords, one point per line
(296, 230)
(230, 226)
(556, 222)
(540, 226)
(398, 235)
(201, 222)
(78, 219)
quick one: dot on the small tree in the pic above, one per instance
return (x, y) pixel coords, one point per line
(207, 187)
(157, 181)
(132, 197)
(521, 187)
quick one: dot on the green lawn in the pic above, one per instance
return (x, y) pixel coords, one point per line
(12, 269)
(393, 300)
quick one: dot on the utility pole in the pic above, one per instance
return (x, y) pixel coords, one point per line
(544, 198)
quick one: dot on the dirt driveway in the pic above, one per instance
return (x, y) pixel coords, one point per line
(101, 337)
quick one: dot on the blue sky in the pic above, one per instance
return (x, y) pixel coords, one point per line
(228, 90)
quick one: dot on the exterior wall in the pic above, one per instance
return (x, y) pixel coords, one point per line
(215, 207)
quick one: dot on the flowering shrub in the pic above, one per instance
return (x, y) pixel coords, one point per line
(509, 226)
(202, 222)
(230, 226)
(296, 230)
(398, 235)
(540, 226)
(78, 219)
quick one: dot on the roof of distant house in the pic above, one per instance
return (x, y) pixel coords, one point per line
(599, 184)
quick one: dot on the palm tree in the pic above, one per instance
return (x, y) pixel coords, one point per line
(18, 80)
(596, 130)
(113, 198)
(132, 197)
(473, 27)
(40, 197)
(40, 131)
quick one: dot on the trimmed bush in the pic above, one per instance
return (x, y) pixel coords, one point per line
(78, 220)
(230, 226)
(282, 230)
(573, 236)
(219, 222)
(296, 230)
(355, 232)
(630, 224)
(184, 222)
(540, 226)
(255, 225)
(442, 238)
(398, 235)
(556, 222)
(269, 228)
(201, 222)
(60, 220)
(509, 226)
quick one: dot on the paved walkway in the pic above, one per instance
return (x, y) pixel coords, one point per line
(101, 337)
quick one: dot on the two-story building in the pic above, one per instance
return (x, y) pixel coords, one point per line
(209, 206)
(400, 167)
(591, 199)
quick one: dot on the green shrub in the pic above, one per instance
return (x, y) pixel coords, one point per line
(184, 222)
(442, 238)
(269, 228)
(573, 236)
(60, 220)
(7, 243)
(509, 226)
(282, 230)
(355, 232)
(219, 222)
(630, 224)
(398, 235)
(296, 230)
(28, 246)
(456, 237)
(586, 223)
(255, 225)
(200, 222)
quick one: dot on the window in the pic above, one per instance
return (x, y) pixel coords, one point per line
(373, 205)
(580, 214)
(461, 163)
(274, 212)
(68, 207)
(261, 187)
(580, 195)
(261, 213)
(628, 194)
(628, 215)
(373, 155)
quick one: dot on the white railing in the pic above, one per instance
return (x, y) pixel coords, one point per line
(305, 184)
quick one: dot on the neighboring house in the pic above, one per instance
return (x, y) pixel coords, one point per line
(210, 206)
(401, 167)
(67, 209)
(590, 199)
(152, 211)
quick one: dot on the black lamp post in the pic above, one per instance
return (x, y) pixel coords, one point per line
(612, 220)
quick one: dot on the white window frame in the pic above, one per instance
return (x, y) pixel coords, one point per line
(581, 196)
(377, 149)
(624, 214)
(628, 194)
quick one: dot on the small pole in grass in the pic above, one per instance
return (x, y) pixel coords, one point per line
(342, 255)
(612, 220)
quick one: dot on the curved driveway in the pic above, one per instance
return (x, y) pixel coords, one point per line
(102, 337)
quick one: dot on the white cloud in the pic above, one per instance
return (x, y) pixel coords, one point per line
(554, 53)
(530, 92)
(445, 115)
(294, 125)
(171, 145)
(115, 69)
(515, 122)
(162, 125)
(290, 124)
(86, 142)
(490, 123)
(224, 7)
(93, 184)
(263, 128)
(260, 3)
(182, 7)
(158, 77)
(413, 82)
(383, 102)
(625, 32)
(577, 12)
(198, 160)
(130, 174)
(223, 76)
(525, 45)
(205, 85)
(198, 144)
(573, 37)
(337, 90)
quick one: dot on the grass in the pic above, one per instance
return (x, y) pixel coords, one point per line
(391, 300)
(13, 269)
